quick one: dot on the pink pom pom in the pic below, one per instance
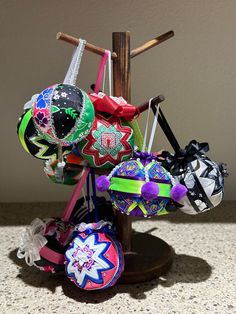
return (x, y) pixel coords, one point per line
(178, 191)
(102, 183)
(150, 190)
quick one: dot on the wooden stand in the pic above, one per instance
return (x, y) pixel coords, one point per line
(146, 257)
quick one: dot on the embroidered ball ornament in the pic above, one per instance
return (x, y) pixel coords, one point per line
(203, 178)
(44, 242)
(141, 187)
(109, 142)
(94, 261)
(63, 114)
(33, 142)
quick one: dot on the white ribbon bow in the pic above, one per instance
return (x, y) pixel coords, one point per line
(31, 242)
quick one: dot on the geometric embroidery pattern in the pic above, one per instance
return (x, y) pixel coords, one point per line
(109, 142)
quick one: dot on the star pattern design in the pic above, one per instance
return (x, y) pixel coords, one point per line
(86, 260)
(108, 141)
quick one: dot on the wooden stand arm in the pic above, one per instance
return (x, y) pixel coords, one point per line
(90, 47)
(151, 43)
(145, 106)
(100, 51)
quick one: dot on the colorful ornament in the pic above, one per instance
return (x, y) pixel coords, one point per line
(141, 187)
(94, 260)
(44, 243)
(203, 178)
(109, 142)
(63, 114)
(34, 143)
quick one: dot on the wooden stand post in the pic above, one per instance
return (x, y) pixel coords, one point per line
(146, 257)
(122, 87)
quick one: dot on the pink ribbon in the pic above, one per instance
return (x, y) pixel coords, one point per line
(52, 256)
(101, 71)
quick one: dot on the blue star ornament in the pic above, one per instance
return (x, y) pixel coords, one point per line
(86, 260)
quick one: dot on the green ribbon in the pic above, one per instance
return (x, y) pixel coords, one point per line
(135, 186)
(23, 125)
(138, 137)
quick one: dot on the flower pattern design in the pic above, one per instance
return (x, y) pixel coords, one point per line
(41, 119)
(56, 96)
(44, 98)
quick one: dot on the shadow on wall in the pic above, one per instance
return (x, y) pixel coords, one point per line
(186, 269)
(16, 214)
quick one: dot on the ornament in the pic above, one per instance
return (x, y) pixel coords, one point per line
(141, 187)
(63, 114)
(109, 142)
(203, 178)
(94, 259)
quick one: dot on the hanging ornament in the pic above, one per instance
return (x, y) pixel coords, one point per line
(141, 186)
(63, 114)
(94, 259)
(109, 142)
(111, 139)
(203, 178)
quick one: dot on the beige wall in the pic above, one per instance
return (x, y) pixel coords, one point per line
(196, 71)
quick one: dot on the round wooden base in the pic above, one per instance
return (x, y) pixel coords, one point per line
(150, 258)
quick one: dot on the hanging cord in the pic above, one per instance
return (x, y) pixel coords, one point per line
(104, 79)
(73, 70)
(147, 124)
(101, 71)
(109, 72)
(75, 195)
(88, 198)
(59, 171)
(94, 195)
(71, 66)
(154, 126)
(166, 129)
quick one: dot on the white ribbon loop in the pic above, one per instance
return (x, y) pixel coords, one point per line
(154, 126)
(73, 69)
(31, 242)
